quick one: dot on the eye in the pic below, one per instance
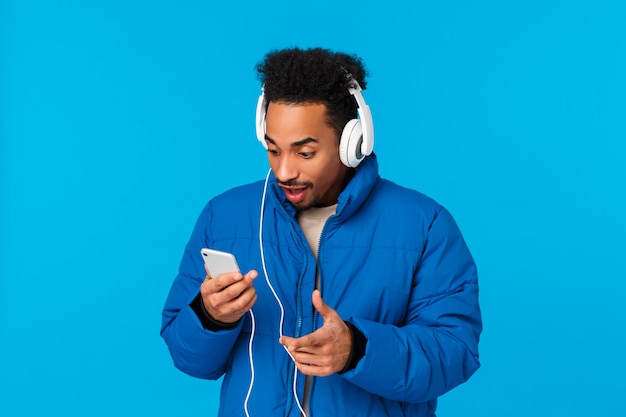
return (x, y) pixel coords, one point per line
(307, 155)
(273, 152)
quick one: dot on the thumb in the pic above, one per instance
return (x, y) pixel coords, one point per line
(321, 307)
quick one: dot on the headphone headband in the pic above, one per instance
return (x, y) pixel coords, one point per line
(365, 116)
(357, 137)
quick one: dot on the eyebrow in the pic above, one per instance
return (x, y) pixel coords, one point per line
(294, 144)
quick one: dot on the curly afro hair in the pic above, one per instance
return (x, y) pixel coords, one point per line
(313, 76)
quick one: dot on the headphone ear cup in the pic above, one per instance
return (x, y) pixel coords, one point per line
(350, 144)
(260, 120)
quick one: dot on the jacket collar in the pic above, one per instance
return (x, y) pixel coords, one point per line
(350, 199)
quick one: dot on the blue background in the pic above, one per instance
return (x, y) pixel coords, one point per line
(120, 119)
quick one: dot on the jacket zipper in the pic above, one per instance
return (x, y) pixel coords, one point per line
(299, 306)
(315, 313)
(299, 298)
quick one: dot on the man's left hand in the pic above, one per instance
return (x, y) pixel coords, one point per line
(326, 350)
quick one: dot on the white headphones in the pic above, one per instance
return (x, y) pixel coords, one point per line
(357, 138)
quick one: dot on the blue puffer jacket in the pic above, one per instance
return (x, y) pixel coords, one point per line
(392, 262)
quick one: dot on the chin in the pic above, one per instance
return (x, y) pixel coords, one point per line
(303, 206)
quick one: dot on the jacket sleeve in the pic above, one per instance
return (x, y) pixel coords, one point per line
(195, 350)
(437, 347)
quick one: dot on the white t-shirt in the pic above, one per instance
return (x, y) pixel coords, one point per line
(312, 222)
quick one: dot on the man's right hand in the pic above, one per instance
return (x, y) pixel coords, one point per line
(228, 297)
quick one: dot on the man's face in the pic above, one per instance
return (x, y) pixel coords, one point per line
(303, 152)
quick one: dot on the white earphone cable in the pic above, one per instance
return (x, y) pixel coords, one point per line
(282, 312)
(253, 325)
(269, 284)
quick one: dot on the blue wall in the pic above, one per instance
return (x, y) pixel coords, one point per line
(120, 119)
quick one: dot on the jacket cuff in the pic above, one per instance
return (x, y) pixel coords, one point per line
(208, 322)
(358, 348)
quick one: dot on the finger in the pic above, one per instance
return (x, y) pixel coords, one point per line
(226, 280)
(245, 301)
(229, 279)
(311, 342)
(237, 291)
(291, 343)
(286, 341)
(218, 292)
(314, 370)
(309, 359)
(218, 284)
(303, 359)
(251, 275)
(321, 307)
(226, 310)
(240, 285)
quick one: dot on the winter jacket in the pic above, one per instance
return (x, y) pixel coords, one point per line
(392, 262)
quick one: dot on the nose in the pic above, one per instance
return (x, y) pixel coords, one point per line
(285, 168)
